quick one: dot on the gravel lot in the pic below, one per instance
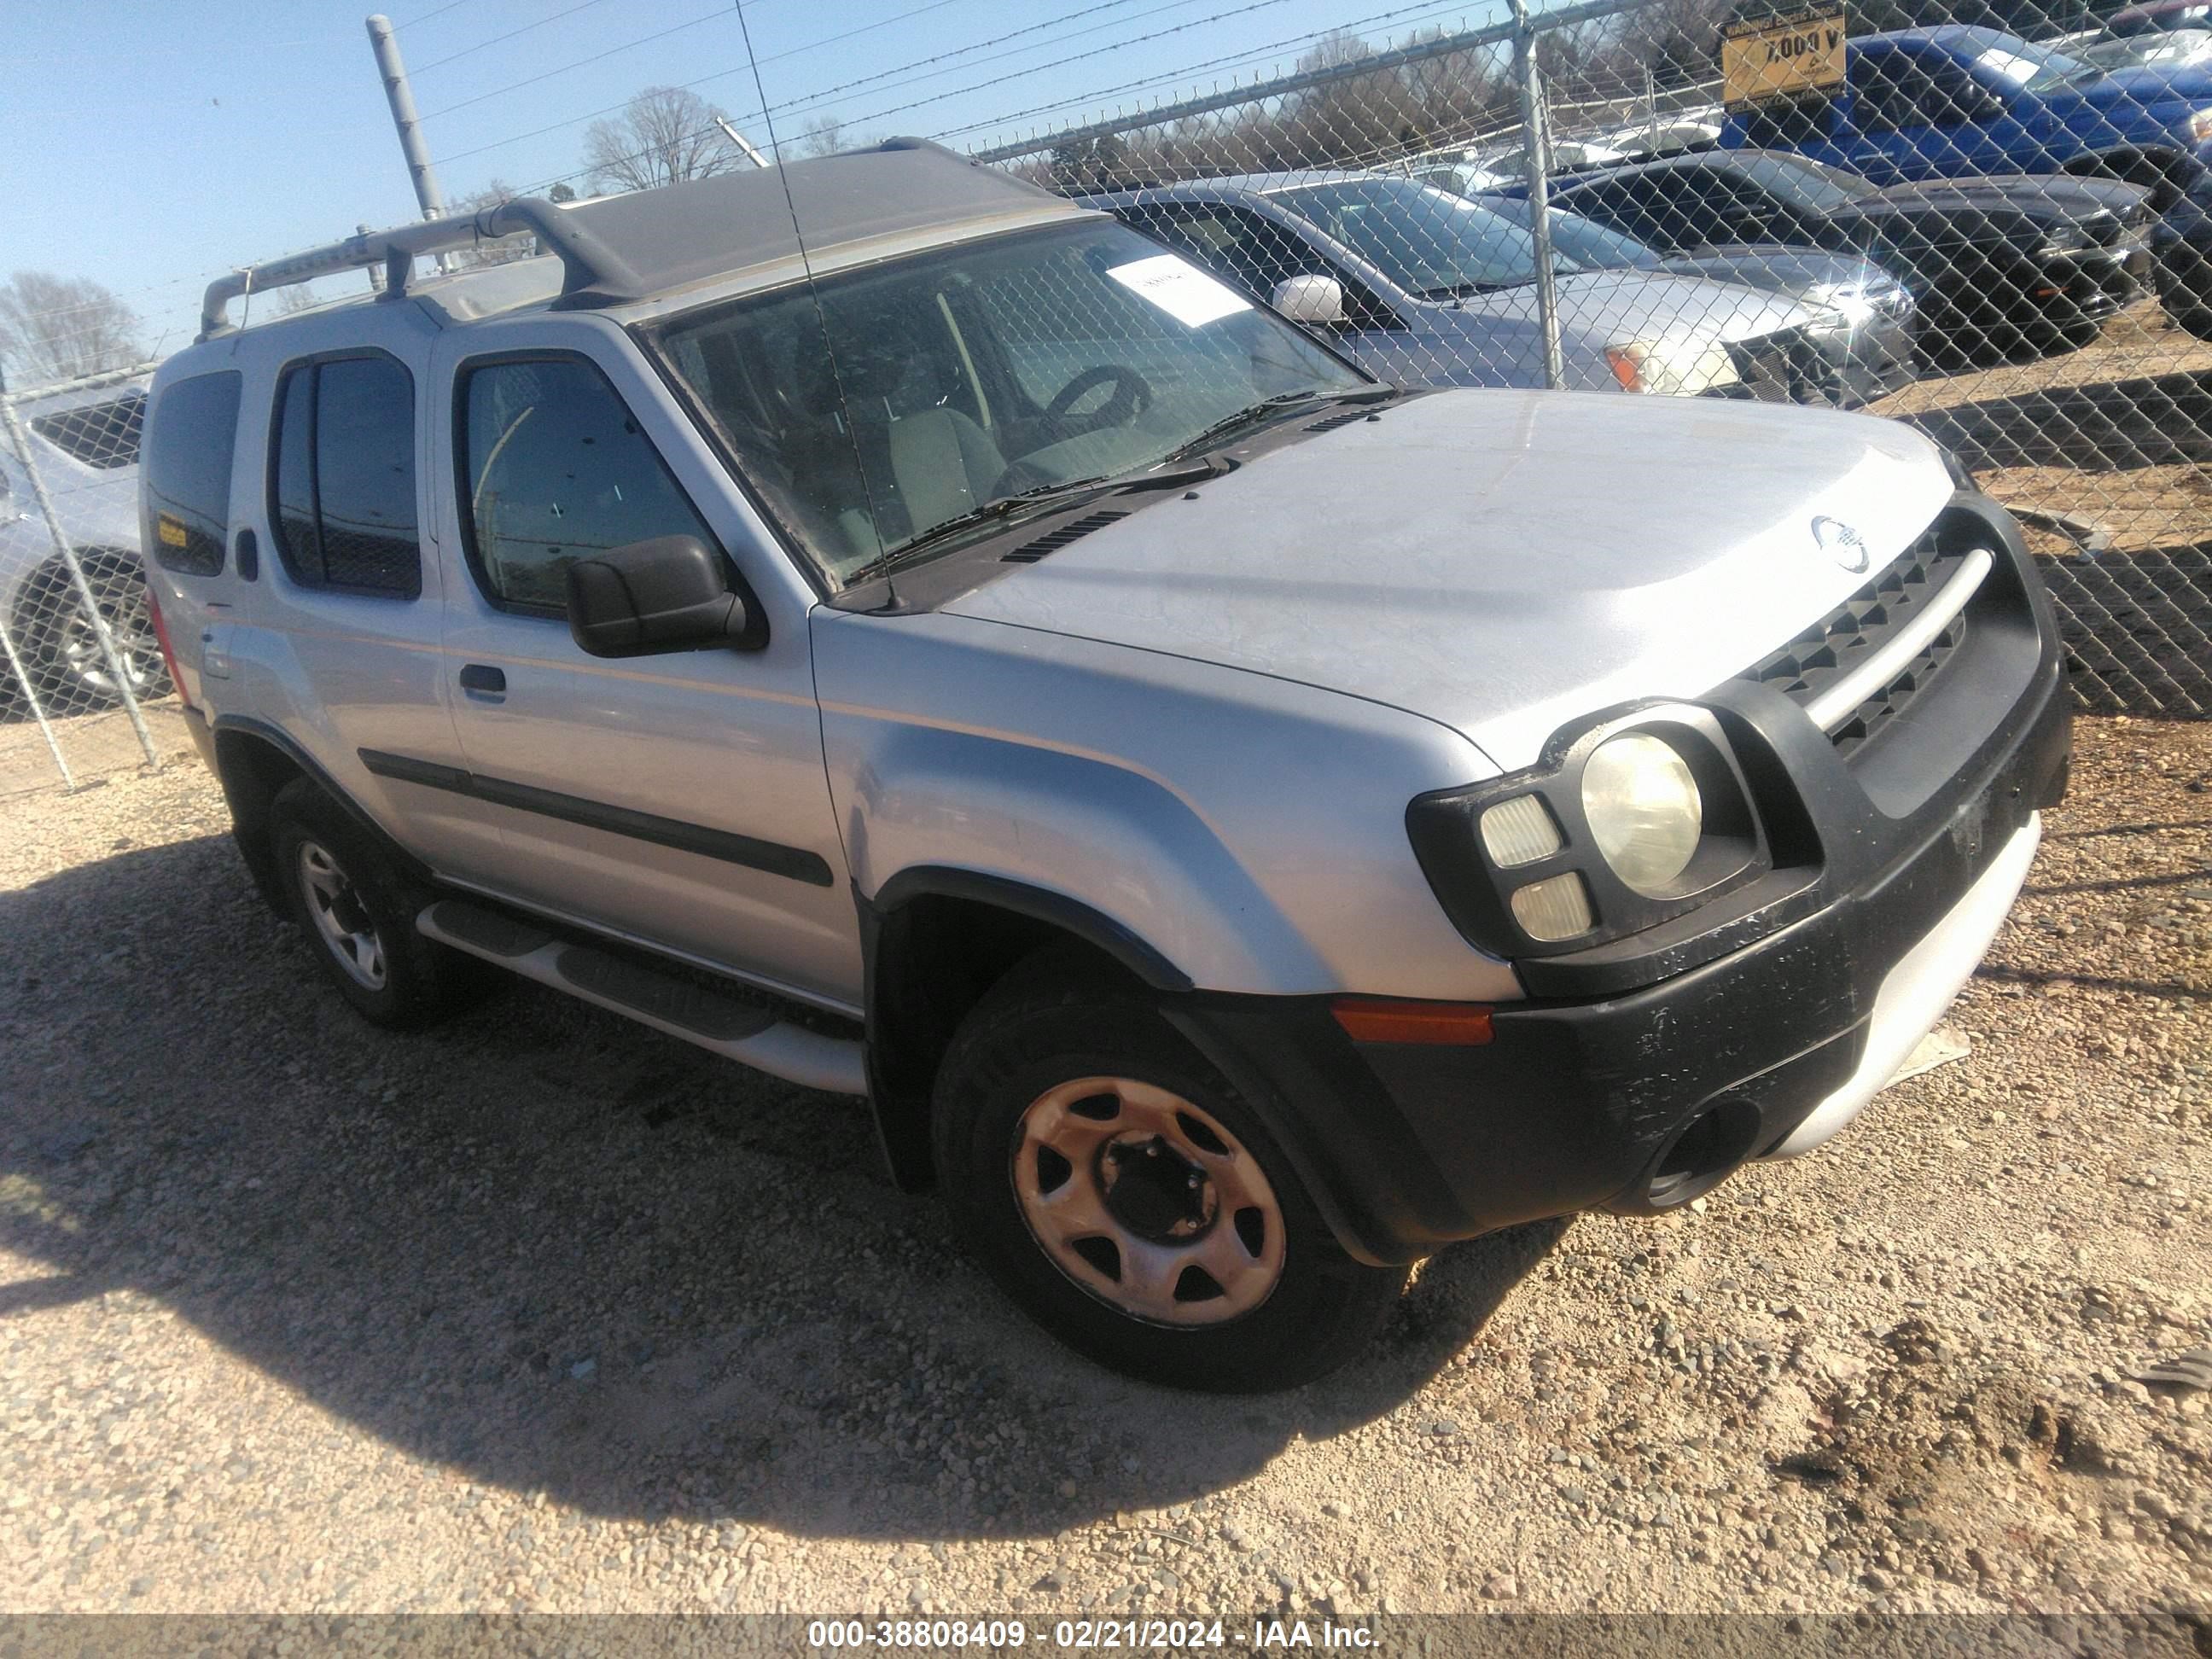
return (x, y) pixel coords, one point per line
(543, 1310)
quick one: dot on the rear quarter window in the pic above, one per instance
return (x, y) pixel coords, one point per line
(191, 441)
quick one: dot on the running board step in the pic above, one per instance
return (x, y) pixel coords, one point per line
(726, 1025)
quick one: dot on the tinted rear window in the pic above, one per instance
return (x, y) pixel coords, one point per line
(187, 479)
(344, 476)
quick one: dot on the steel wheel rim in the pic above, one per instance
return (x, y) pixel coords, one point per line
(131, 628)
(340, 917)
(1077, 1148)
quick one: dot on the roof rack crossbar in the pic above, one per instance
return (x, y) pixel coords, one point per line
(592, 272)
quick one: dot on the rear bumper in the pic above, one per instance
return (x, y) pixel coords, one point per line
(1577, 1100)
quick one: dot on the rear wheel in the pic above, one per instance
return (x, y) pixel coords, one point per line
(357, 909)
(1123, 1195)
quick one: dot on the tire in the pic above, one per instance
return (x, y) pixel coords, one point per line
(64, 653)
(1046, 1051)
(356, 911)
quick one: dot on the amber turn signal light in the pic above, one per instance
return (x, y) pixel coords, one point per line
(1387, 1019)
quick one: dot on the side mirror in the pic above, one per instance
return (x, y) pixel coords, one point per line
(1316, 300)
(670, 593)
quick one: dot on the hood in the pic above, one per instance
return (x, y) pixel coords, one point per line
(2143, 84)
(1780, 269)
(1498, 561)
(1618, 306)
(2046, 196)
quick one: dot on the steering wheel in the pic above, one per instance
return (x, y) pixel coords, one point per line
(1133, 395)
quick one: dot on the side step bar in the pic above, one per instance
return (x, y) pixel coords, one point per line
(727, 1025)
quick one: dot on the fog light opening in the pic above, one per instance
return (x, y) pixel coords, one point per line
(1703, 1155)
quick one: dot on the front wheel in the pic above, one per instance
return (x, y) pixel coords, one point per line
(1116, 1186)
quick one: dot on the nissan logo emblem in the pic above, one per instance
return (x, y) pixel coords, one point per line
(1842, 544)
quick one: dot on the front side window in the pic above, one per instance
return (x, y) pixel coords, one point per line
(554, 469)
(189, 448)
(342, 477)
(882, 409)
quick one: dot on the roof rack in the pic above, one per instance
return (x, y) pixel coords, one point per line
(592, 274)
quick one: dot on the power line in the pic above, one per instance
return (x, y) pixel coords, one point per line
(451, 57)
(643, 39)
(811, 46)
(425, 17)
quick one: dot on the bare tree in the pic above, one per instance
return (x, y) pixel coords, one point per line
(824, 136)
(664, 136)
(55, 328)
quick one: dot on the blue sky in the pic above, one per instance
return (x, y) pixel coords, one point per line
(155, 144)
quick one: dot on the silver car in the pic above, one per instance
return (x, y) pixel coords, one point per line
(1239, 826)
(85, 446)
(1424, 288)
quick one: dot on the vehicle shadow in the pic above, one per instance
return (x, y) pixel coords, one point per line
(558, 1252)
(2108, 426)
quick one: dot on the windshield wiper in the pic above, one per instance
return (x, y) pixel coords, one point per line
(1254, 415)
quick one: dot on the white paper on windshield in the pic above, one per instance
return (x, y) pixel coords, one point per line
(1180, 288)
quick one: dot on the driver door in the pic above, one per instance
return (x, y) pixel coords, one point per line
(678, 800)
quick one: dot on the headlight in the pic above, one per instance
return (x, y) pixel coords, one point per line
(1643, 809)
(1851, 298)
(1642, 366)
(2066, 239)
(2200, 126)
(1638, 819)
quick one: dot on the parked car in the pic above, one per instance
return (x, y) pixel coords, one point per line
(1424, 288)
(1240, 826)
(85, 446)
(2181, 248)
(1994, 263)
(1495, 167)
(1934, 103)
(1866, 353)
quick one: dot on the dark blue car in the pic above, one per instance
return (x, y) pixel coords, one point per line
(1943, 102)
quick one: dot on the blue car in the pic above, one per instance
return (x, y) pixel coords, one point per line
(1940, 102)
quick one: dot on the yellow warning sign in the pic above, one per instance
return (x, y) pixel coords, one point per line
(1779, 57)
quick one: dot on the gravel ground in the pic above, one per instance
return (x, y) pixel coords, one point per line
(543, 1310)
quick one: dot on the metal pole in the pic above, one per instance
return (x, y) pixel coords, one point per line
(1536, 132)
(401, 97)
(22, 443)
(740, 141)
(1651, 109)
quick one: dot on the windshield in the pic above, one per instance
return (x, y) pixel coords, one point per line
(877, 408)
(1807, 186)
(1431, 243)
(1585, 241)
(2007, 61)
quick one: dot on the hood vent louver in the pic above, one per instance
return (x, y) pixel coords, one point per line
(1330, 422)
(1053, 540)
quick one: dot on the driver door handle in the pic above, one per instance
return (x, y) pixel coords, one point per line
(482, 680)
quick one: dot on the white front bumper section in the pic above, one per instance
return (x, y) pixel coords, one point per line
(1920, 987)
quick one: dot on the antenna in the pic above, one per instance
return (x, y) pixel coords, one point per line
(821, 317)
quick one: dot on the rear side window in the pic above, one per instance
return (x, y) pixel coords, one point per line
(342, 476)
(188, 449)
(554, 468)
(103, 434)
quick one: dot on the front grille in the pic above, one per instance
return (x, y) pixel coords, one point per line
(1836, 645)
(1781, 368)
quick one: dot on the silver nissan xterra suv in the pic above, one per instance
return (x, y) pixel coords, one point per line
(1240, 827)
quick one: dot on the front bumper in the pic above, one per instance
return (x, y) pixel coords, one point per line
(2092, 286)
(1581, 1095)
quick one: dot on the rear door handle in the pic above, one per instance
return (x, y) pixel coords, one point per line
(482, 680)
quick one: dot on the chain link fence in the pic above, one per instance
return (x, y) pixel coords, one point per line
(1956, 224)
(79, 662)
(1574, 198)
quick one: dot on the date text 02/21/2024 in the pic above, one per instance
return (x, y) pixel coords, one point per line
(1085, 1633)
